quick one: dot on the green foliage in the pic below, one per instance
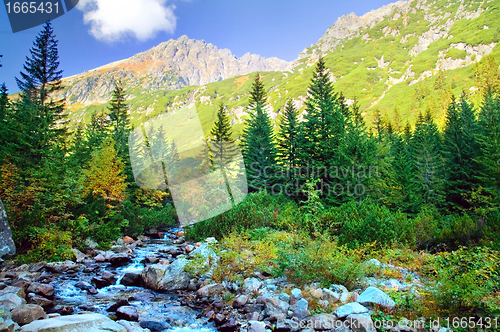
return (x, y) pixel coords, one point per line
(466, 282)
(257, 210)
(371, 223)
(49, 244)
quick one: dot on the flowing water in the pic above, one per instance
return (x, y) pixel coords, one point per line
(151, 305)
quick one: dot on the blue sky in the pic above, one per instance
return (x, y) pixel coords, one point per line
(280, 28)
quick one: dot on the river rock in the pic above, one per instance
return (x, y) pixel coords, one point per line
(11, 301)
(154, 326)
(40, 300)
(240, 301)
(167, 277)
(100, 258)
(210, 290)
(7, 246)
(276, 308)
(99, 282)
(75, 323)
(254, 326)
(361, 323)
(127, 313)
(13, 290)
(350, 309)
(118, 304)
(120, 259)
(373, 297)
(8, 325)
(21, 282)
(131, 279)
(61, 267)
(27, 313)
(41, 289)
(78, 255)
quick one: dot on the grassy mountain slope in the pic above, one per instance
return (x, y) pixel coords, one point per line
(402, 59)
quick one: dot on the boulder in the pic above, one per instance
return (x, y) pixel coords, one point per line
(210, 290)
(128, 313)
(322, 322)
(118, 304)
(254, 326)
(13, 290)
(8, 325)
(296, 295)
(240, 301)
(361, 323)
(61, 267)
(350, 309)
(40, 300)
(300, 308)
(331, 296)
(44, 290)
(132, 326)
(75, 323)
(131, 279)
(276, 308)
(11, 301)
(167, 277)
(252, 285)
(374, 298)
(27, 313)
(120, 259)
(99, 282)
(7, 246)
(78, 256)
(127, 239)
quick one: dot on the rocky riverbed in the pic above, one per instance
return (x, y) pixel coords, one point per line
(142, 285)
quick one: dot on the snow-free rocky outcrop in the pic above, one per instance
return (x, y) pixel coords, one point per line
(7, 246)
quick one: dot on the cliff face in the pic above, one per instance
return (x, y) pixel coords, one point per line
(172, 65)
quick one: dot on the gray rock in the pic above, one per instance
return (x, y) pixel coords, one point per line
(322, 322)
(296, 295)
(331, 296)
(167, 277)
(8, 325)
(300, 308)
(120, 259)
(240, 301)
(44, 290)
(276, 308)
(78, 255)
(131, 279)
(13, 290)
(373, 298)
(210, 290)
(27, 313)
(350, 309)
(132, 326)
(7, 246)
(283, 296)
(252, 285)
(128, 313)
(75, 323)
(11, 301)
(254, 326)
(361, 323)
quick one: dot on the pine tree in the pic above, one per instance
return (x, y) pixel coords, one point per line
(461, 150)
(259, 151)
(426, 149)
(288, 138)
(4, 121)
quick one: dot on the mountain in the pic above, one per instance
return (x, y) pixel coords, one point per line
(402, 59)
(171, 65)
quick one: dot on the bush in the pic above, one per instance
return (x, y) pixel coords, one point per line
(140, 219)
(49, 244)
(467, 281)
(368, 222)
(303, 261)
(257, 210)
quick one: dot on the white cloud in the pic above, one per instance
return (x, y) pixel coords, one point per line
(111, 20)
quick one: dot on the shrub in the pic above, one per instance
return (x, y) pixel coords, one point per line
(369, 222)
(257, 210)
(50, 244)
(467, 281)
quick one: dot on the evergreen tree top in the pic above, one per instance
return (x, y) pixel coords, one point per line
(41, 76)
(258, 94)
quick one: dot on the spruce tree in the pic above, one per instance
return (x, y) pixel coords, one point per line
(259, 151)
(119, 120)
(38, 83)
(288, 139)
(426, 149)
(489, 142)
(323, 130)
(222, 143)
(461, 152)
